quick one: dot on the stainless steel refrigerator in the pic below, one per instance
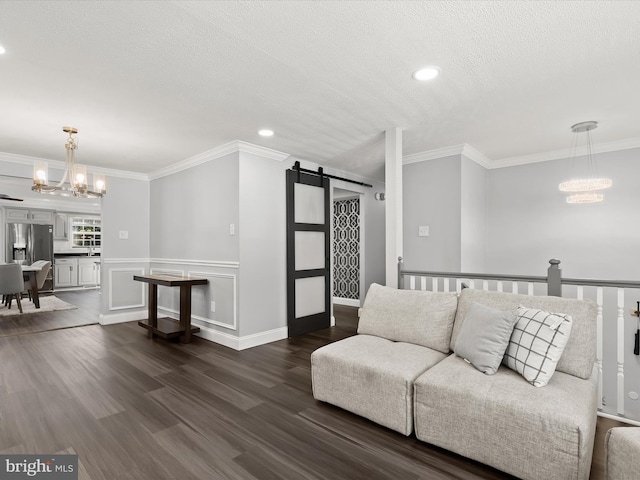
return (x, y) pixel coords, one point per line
(27, 243)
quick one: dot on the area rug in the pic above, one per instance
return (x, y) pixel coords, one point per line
(47, 304)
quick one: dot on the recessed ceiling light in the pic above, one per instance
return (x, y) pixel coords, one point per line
(2, 50)
(265, 132)
(426, 73)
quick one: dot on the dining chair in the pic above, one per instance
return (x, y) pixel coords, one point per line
(11, 283)
(41, 275)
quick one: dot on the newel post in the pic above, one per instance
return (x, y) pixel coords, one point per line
(554, 278)
(400, 277)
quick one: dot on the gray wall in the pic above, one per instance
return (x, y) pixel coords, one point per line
(372, 212)
(263, 244)
(473, 216)
(125, 208)
(192, 209)
(529, 221)
(432, 197)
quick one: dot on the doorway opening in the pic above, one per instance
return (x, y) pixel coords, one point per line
(347, 253)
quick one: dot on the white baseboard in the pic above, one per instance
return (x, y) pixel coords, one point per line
(231, 341)
(349, 302)
(113, 318)
(242, 343)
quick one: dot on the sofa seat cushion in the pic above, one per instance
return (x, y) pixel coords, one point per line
(622, 452)
(423, 318)
(503, 421)
(372, 377)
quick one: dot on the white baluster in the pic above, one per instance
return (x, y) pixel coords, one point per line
(472, 284)
(620, 351)
(580, 292)
(530, 288)
(458, 285)
(412, 282)
(446, 285)
(599, 344)
(423, 283)
(434, 284)
(514, 287)
(485, 285)
(499, 286)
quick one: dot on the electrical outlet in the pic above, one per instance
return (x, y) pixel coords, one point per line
(232, 229)
(213, 307)
(423, 231)
(123, 234)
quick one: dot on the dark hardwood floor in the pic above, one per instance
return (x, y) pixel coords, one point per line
(88, 311)
(135, 408)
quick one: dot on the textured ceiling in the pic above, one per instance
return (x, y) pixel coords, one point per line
(149, 84)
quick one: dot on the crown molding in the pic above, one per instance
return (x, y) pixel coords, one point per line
(269, 153)
(111, 172)
(463, 149)
(625, 144)
(432, 154)
(476, 155)
(481, 159)
(236, 146)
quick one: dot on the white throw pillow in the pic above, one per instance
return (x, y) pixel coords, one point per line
(537, 343)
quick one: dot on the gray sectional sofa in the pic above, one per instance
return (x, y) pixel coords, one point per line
(400, 372)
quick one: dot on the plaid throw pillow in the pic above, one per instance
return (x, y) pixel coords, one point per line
(537, 343)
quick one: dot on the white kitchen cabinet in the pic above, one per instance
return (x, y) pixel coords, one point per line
(61, 226)
(15, 215)
(41, 216)
(66, 272)
(87, 272)
(77, 272)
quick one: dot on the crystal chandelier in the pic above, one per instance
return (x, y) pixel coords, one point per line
(585, 189)
(75, 175)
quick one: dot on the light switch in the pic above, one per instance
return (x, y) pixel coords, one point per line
(232, 229)
(124, 234)
(423, 231)
(213, 306)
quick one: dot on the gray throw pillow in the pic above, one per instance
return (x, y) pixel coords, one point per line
(484, 337)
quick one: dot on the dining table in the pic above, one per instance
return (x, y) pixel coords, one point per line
(29, 275)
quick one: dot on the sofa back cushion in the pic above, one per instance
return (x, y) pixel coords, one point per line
(422, 318)
(580, 352)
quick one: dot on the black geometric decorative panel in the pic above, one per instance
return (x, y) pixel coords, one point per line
(346, 248)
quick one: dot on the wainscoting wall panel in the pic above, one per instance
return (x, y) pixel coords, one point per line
(223, 293)
(213, 306)
(124, 291)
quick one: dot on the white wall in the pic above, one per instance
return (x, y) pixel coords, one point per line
(529, 221)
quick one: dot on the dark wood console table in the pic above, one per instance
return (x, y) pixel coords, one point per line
(168, 327)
